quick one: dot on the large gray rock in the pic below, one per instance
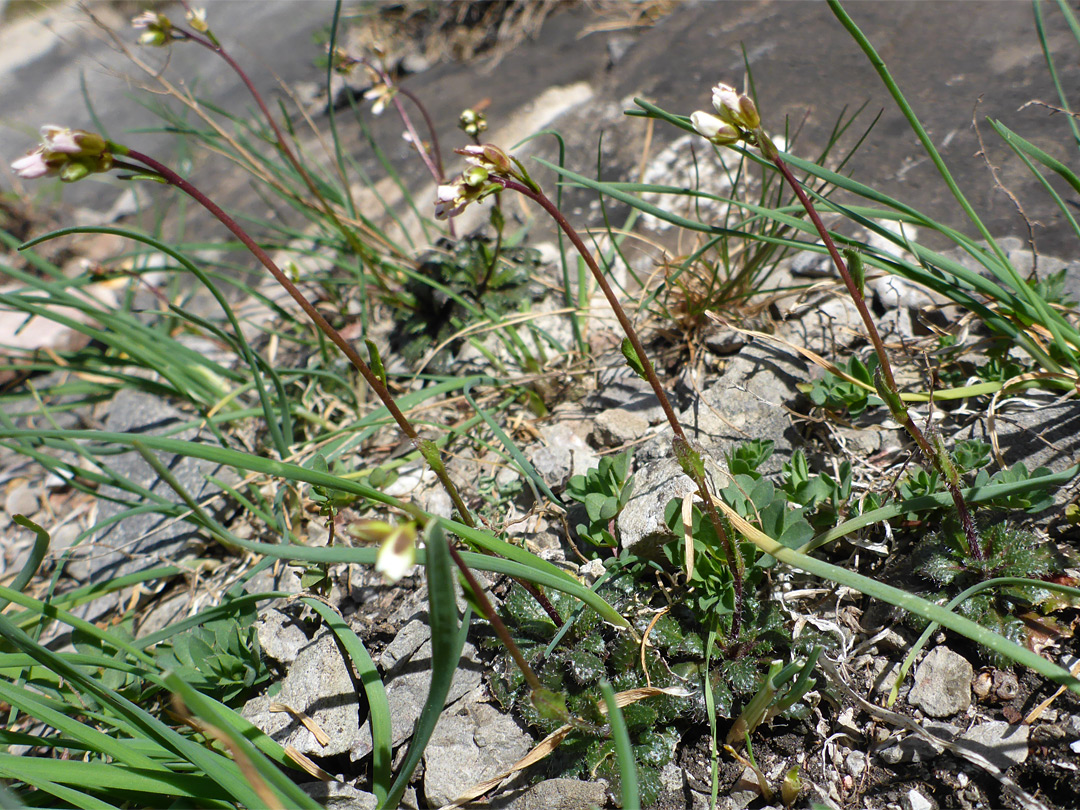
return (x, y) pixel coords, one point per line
(641, 522)
(407, 687)
(320, 685)
(148, 539)
(340, 796)
(554, 794)
(471, 743)
(942, 683)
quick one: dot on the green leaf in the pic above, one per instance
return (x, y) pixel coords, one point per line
(448, 633)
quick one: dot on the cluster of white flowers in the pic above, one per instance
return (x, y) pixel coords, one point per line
(158, 30)
(474, 183)
(736, 117)
(70, 154)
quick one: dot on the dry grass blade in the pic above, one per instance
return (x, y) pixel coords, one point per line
(645, 639)
(552, 741)
(321, 737)
(307, 765)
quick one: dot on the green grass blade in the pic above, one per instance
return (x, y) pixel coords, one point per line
(624, 753)
(904, 600)
(37, 554)
(448, 633)
(286, 791)
(378, 706)
(972, 495)
(528, 565)
(109, 777)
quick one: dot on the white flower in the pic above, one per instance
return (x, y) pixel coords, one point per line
(449, 201)
(397, 554)
(71, 142)
(735, 108)
(32, 166)
(715, 129)
(381, 94)
(196, 18)
(59, 139)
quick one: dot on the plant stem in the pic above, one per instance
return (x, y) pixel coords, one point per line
(357, 361)
(734, 560)
(493, 619)
(436, 151)
(943, 467)
(358, 247)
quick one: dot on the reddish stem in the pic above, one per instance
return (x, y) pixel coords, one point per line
(731, 553)
(902, 416)
(358, 362)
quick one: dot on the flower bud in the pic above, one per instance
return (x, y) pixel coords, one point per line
(735, 108)
(715, 129)
(74, 170)
(472, 122)
(725, 101)
(475, 176)
(749, 112)
(196, 18)
(158, 28)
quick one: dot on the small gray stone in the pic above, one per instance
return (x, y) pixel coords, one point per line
(564, 454)
(22, 500)
(475, 743)
(855, 763)
(554, 794)
(1002, 744)
(591, 571)
(913, 800)
(405, 643)
(280, 637)
(616, 427)
(942, 683)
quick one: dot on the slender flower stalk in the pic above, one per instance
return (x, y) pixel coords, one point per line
(493, 169)
(206, 38)
(372, 379)
(736, 112)
(936, 455)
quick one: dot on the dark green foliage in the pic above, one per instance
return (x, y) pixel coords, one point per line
(837, 394)
(945, 560)
(923, 482)
(456, 284)
(604, 490)
(221, 658)
(823, 498)
(1052, 289)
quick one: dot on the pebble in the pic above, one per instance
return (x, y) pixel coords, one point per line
(855, 763)
(22, 500)
(913, 800)
(1003, 744)
(942, 683)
